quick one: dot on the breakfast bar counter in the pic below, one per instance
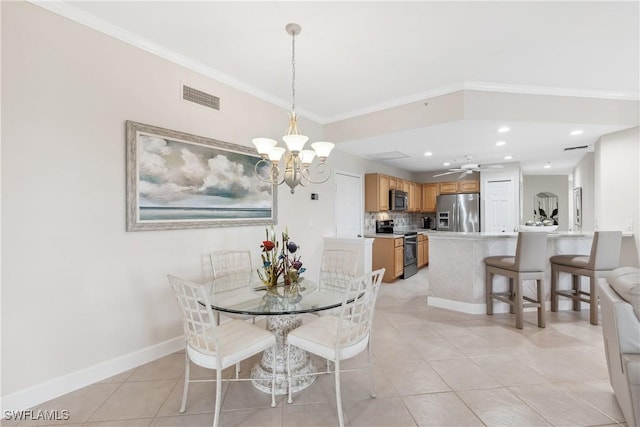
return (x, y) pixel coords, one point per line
(457, 271)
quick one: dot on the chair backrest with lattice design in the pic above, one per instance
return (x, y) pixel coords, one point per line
(356, 317)
(337, 269)
(197, 316)
(230, 270)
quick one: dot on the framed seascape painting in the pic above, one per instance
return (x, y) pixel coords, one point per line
(177, 180)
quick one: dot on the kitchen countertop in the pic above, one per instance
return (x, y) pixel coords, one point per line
(398, 234)
(492, 235)
(483, 235)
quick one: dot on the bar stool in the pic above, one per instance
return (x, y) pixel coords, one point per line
(605, 256)
(528, 264)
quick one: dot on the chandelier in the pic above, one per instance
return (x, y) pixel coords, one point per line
(292, 165)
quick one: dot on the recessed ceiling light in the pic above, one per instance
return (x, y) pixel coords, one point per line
(577, 132)
(547, 166)
(428, 153)
(508, 157)
(446, 164)
(500, 143)
(503, 129)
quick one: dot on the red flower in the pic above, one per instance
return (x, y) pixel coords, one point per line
(268, 245)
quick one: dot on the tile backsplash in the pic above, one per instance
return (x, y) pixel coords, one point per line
(400, 219)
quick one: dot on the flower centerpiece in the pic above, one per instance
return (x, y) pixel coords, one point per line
(279, 260)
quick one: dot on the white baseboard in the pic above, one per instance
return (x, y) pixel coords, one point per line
(463, 307)
(39, 393)
(481, 308)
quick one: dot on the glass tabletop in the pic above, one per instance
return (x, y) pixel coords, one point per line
(304, 297)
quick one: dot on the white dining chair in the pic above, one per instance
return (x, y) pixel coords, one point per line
(337, 338)
(337, 268)
(214, 346)
(231, 270)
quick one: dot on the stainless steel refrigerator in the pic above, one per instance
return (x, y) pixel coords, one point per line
(458, 212)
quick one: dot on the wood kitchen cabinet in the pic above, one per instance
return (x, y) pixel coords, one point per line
(429, 197)
(388, 253)
(448, 187)
(376, 192)
(412, 198)
(423, 250)
(457, 187)
(393, 183)
(468, 186)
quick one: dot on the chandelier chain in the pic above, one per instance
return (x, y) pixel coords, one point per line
(293, 72)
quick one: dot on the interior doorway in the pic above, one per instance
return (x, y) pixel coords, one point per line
(349, 212)
(499, 206)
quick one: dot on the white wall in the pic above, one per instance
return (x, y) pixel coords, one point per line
(557, 184)
(616, 168)
(79, 291)
(584, 177)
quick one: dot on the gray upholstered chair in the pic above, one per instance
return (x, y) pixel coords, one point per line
(528, 264)
(604, 257)
(620, 305)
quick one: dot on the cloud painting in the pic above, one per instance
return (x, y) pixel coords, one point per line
(178, 180)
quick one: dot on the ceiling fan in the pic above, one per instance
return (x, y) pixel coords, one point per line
(469, 168)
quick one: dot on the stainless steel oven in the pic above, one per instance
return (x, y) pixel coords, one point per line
(410, 254)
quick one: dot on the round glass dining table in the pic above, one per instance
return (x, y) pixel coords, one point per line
(282, 306)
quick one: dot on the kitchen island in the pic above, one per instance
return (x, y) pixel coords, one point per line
(457, 271)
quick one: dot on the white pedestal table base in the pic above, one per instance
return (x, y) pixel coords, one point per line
(301, 362)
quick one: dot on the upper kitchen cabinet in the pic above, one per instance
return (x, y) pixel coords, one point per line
(393, 183)
(457, 187)
(415, 197)
(448, 187)
(376, 192)
(468, 186)
(429, 197)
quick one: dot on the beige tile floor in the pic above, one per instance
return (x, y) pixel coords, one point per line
(433, 367)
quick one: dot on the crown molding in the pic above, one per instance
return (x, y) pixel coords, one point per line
(551, 91)
(487, 87)
(68, 11)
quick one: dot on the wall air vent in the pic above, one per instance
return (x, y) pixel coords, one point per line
(201, 98)
(579, 147)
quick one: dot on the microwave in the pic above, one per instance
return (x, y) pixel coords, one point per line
(398, 200)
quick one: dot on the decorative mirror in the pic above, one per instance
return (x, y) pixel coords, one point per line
(545, 207)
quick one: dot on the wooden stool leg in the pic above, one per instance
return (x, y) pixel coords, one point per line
(577, 305)
(541, 308)
(512, 295)
(555, 277)
(518, 302)
(593, 300)
(489, 291)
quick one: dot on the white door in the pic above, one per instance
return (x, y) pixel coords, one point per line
(349, 210)
(499, 205)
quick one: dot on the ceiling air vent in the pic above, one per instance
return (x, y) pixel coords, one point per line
(579, 147)
(389, 155)
(201, 98)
